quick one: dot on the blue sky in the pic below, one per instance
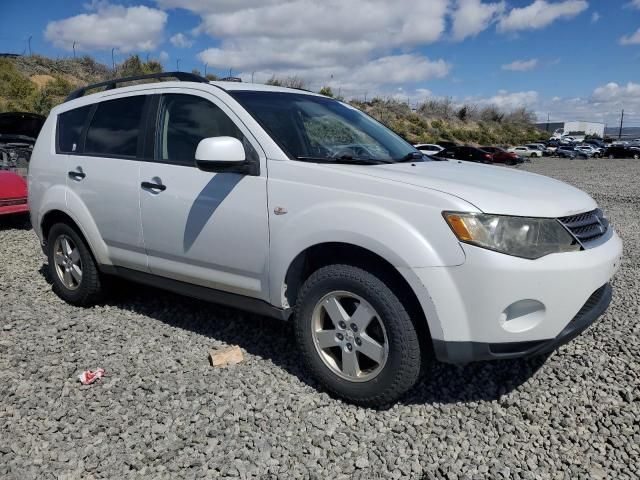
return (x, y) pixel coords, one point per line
(574, 59)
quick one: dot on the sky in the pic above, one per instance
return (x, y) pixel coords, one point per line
(563, 59)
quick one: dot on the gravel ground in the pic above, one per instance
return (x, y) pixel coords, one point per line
(163, 412)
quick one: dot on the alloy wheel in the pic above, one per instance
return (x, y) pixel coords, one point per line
(349, 336)
(68, 262)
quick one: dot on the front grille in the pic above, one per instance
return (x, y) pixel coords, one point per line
(586, 227)
(12, 201)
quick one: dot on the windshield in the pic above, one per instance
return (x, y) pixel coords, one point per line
(314, 128)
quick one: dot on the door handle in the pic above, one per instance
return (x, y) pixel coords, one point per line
(153, 186)
(77, 175)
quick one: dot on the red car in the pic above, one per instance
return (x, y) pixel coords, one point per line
(502, 156)
(13, 194)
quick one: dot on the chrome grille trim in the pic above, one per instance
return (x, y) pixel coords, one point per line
(586, 227)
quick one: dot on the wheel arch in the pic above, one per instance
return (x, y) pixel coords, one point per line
(319, 255)
(55, 216)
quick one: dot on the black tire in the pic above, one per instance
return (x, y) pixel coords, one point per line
(90, 289)
(403, 361)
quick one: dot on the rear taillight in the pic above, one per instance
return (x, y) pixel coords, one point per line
(487, 156)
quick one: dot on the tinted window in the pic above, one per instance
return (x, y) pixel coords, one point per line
(70, 129)
(115, 127)
(187, 119)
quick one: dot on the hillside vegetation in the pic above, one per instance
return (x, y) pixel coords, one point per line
(36, 84)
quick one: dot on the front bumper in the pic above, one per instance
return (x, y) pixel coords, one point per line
(497, 306)
(464, 352)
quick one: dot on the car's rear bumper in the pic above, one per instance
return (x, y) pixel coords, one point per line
(14, 209)
(464, 352)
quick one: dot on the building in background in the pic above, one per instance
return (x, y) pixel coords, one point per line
(576, 129)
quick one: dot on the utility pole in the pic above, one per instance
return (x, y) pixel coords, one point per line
(252, 75)
(548, 120)
(178, 64)
(113, 58)
(230, 73)
(205, 69)
(621, 120)
(29, 42)
(74, 49)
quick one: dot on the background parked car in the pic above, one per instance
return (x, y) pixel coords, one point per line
(18, 133)
(447, 144)
(570, 152)
(622, 152)
(589, 150)
(468, 154)
(13, 194)
(429, 148)
(526, 152)
(500, 155)
(538, 146)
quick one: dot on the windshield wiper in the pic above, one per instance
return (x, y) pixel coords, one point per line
(343, 159)
(410, 157)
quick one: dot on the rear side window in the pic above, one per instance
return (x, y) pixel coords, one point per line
(70, 126)
(115, 127)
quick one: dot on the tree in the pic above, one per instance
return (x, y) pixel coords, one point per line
(326, 91)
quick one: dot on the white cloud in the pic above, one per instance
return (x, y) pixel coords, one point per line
(472, 17)
(603, 105)
(540, 14)
(180, 40)
(508, 101)
(164, 56)
(108, 26)
(521, 65)
(614, 92)
(595, 17)
(357, 46)
(634, 4)
(632, 39)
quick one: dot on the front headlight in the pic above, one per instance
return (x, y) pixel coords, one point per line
(518, 236)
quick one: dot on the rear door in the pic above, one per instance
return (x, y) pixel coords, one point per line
(210, 229)
(103, 173)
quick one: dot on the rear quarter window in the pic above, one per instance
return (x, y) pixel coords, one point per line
(70, 125)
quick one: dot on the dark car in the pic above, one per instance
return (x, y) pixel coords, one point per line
(622, 152)
(570, 152)
(502, 156)
(468, 154)
(446, 144)
(595, 142)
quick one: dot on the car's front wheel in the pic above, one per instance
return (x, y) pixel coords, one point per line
(73, 270)
(356, 337)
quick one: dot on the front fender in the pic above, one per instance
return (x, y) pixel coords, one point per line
(377, 229)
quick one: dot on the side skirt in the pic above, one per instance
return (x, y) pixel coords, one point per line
(233, 300)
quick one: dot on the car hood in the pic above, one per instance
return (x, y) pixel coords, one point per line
(20, 126)
(490, 188)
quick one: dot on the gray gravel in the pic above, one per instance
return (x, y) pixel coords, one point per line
(163, 412)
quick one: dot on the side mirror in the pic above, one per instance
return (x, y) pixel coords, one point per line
(222, 155)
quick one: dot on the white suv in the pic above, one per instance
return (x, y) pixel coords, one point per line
(298, 206)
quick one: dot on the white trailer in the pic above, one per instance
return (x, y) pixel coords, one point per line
(579, 130)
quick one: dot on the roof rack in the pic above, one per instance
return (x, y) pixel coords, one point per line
(111, 84)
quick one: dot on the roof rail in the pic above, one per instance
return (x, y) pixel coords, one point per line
(111, 84)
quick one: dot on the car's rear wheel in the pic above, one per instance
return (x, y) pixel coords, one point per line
(356, 337)
(73, 270)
